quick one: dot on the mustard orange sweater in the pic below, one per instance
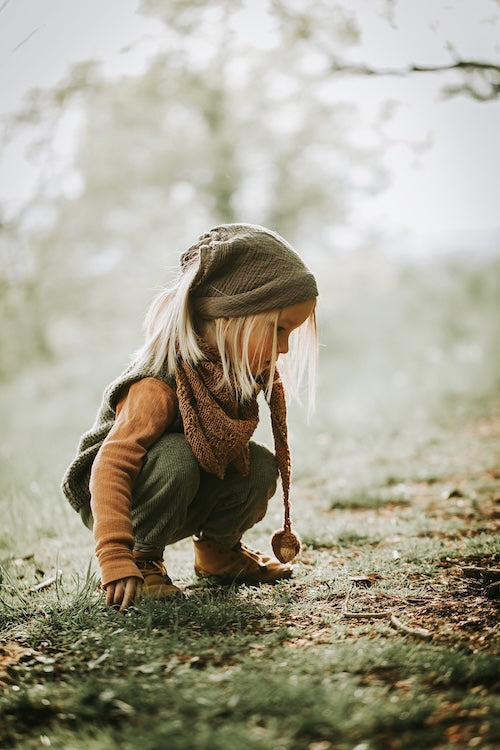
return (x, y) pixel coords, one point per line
(145, 411)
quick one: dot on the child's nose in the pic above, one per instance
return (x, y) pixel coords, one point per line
(283, 344)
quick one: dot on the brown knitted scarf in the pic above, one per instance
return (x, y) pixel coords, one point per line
(218, 428)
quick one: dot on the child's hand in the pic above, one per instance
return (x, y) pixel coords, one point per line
(120, 594)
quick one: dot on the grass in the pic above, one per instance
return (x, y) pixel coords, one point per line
(396, 482)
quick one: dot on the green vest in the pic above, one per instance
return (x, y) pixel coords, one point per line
(75, 484)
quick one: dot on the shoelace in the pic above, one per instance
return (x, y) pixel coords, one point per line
(146, 565)
(253, 553)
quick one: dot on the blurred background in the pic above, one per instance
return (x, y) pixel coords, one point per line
(368, 134)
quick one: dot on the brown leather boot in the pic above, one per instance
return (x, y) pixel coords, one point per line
(240, 564)
(157, 582)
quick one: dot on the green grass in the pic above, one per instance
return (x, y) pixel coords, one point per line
(183, 673)
(239, 656)
(396, 478)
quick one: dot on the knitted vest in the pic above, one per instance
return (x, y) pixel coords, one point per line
(75, 484)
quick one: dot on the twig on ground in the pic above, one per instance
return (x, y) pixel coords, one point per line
(417, 632)
(46, 583)
(382, 615)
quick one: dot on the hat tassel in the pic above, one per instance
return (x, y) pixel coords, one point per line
(285, 542)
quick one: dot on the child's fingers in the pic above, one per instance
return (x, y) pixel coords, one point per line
(114, 593)
(121, 594)
(110, 593)
(131, 587)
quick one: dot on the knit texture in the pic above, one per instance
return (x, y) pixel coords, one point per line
(245, 269)
(75, 484)
(218, 430)
(216, 426)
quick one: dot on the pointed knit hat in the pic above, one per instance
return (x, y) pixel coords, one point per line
(244, 269)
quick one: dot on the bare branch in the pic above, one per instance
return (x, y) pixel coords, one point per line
(366, 70)
(481, 79)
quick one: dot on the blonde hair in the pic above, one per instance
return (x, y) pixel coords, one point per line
(171, 331)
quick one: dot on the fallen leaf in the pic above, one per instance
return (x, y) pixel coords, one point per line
(10, 655)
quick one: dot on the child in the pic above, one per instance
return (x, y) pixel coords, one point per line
(169, 455)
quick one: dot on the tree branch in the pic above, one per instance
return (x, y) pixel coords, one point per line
(466, 65)
(484, 86)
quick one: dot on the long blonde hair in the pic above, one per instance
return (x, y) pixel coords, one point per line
(172, 331)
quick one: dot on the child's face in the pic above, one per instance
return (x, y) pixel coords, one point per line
(260, 349)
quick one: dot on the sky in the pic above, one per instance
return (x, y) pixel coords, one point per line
(447, 188)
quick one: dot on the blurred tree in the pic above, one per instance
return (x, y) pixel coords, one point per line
(223, 126)
(23, 337)
(226, 124)
(221, 123)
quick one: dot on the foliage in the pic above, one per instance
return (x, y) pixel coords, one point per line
(224, 124)
(218, 128)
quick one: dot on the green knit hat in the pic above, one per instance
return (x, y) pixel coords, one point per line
(245, 269)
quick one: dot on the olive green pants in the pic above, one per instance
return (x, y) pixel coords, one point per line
(173, 498)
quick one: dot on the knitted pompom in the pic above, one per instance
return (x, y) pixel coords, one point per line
(285, 544)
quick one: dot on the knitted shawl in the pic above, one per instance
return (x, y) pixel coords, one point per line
(218, 429)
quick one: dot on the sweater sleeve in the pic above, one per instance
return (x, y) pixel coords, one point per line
(143, 414)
